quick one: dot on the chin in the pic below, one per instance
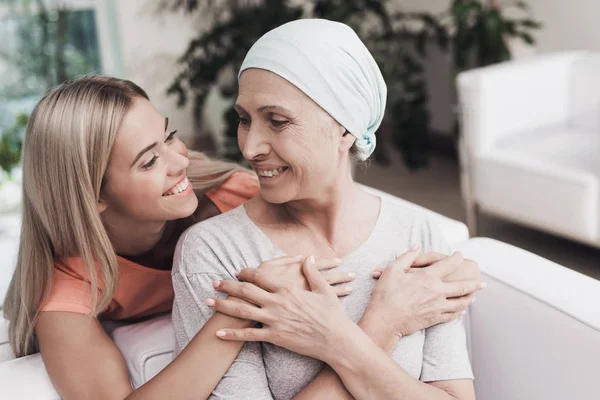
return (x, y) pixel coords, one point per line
(276, 195)
(186, 209)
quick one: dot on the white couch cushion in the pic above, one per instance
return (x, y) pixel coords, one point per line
(549, 179)
(535, 330)
(147, 347)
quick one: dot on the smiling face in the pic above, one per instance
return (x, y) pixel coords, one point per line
(297, 149)
(146, 177)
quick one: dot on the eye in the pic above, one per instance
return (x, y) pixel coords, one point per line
(171, 136)
(150, 163)
(244, 121)
(278, 122)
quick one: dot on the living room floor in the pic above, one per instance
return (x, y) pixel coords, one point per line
(437, 188)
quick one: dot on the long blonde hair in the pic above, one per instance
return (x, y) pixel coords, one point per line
(66, 151)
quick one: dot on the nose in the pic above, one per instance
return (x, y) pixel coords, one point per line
(177, 162)
(253, 144)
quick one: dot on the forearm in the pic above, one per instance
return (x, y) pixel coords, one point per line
(197, 370)
(368, 372)
(327, 384)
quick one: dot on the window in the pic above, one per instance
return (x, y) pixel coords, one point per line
(44, 42)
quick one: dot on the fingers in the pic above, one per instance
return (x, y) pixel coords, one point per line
(446, 266)
(461, 288)
(243, 290)
(334, 278)
(245, 334)
(447, 317)
(239, 310)
(316, 281)
(429, 258)
(342, 291)
(325, 264)
(406, 260)
(259, 278)
(458, 304)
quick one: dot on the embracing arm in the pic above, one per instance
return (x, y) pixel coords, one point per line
(333, 335)
(84, 363)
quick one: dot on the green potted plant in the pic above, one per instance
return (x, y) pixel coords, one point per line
(11, 141)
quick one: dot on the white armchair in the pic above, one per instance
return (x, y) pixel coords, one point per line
(530, 143)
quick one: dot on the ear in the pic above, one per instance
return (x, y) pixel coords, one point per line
(102, 206)
(346, 140)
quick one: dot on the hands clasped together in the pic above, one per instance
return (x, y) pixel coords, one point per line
(296, 298)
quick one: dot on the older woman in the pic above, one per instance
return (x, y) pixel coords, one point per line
(310, 99)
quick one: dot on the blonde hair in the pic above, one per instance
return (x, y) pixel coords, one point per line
(66, 151)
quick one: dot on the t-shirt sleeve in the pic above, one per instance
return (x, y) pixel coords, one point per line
(445, 355)
(235, 191)
(69, 294)
(246, 378)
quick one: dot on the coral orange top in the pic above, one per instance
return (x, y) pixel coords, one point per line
(141, 291)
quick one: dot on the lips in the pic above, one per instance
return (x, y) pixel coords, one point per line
(179, 187)
(270, 173)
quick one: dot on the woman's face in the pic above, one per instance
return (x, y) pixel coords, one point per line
(146, 177)
(297, 149)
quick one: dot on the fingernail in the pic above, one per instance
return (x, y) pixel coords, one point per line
(376, 274)
(311, 259)
(216, 284)
(237, 273)
(415, 247)
(348, 288)
(337, 260)
(473, 300)
(463, 312)
(483, 285)
(210, 302)
(220, 333)
(352, 275)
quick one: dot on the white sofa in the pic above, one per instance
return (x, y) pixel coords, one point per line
(534, 332)
(530, 143)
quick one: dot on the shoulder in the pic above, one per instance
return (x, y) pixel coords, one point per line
(215, 241)
(410, 220)
(69, 290)
(236, 190)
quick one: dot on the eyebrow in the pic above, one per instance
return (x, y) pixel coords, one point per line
(265, 108)
(149, 147)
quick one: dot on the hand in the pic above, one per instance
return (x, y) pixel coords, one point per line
(305, 322)
(410, 299)
(287, 271)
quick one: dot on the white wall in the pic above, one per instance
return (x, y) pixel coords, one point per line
(148, 48)
(150, 44)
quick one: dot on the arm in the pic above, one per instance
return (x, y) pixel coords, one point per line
(328, 323)
(84, 363)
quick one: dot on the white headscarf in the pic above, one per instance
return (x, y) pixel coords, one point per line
(329, 63)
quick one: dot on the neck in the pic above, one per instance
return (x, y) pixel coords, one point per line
(328, 212)
(132, 238)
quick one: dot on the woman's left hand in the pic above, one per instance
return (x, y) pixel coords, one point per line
(305, 322)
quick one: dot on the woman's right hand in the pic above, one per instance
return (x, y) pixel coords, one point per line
(308, 322)
(406, 300)
(287, 271)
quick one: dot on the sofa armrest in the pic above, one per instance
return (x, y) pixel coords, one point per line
(513, 97)
(534, 332)
(26, 378)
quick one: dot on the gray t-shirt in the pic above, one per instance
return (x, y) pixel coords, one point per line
(216, 248)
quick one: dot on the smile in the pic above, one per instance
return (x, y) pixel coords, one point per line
(178, 188)
(271, 173)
